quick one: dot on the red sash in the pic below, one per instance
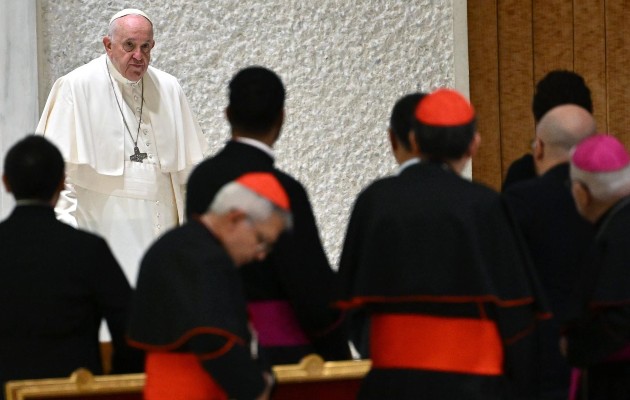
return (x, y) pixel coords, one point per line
(179, 376)
(414, 341)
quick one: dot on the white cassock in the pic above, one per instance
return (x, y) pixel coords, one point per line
(128, 203)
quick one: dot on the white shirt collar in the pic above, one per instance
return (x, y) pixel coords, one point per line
(257, 144)
(407, 164)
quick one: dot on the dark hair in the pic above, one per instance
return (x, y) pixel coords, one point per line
(441, 143)
(560, 87)
(256, 99)
(34, 168)
(401, 120)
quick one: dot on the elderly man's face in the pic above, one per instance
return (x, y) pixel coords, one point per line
(130, 44)
(252, 240)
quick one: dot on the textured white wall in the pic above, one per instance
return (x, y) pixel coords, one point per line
(18, 80)
(344, 63)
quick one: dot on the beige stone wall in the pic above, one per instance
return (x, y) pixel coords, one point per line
(344, 63)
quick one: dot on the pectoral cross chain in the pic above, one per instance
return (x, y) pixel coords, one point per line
(137, 156)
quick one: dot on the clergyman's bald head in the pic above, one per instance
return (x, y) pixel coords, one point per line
(565, 126)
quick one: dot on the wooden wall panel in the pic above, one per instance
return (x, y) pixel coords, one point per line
(553, 36)
(484, 89)
(516, 74)
(532, 37)
(589, 20)
(618, 68)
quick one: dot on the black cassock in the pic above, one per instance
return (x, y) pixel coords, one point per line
(428, 245)
(599, 334)
(189, 300)
(557, 238)
(290, 293)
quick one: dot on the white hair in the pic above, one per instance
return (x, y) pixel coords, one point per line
(604, 186)
(234, 196)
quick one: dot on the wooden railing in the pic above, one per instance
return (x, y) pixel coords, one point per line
(311, 379)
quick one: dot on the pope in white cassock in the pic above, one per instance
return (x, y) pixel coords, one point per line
(129, 139)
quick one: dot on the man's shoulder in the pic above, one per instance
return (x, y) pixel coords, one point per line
(553, 184)
(224, 165)
(57, 233)
(79, 235)
(619, 220)
(190, 243)
(383, 185)
(162, 76)
(286, 179)
(383, 192)
(451, 184)
(232, 161)
(86, 72)
(523, 189)
(469, 193)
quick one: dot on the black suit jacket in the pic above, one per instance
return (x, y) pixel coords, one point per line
(297, 270)
(56, 285)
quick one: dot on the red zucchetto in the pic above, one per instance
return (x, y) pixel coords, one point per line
(267, 186)
(445, 107)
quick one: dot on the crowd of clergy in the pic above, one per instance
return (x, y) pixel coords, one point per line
(209, 271)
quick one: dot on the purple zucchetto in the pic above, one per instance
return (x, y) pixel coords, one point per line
(600, 153)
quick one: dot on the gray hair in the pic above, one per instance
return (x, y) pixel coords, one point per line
(604, 186)
(234, 196)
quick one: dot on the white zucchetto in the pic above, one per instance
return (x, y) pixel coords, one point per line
(129, 11)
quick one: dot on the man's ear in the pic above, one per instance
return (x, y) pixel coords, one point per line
(538, 149)
(277, 128)
(392, 140)
(581, 195)
(281, 118)
(473, 147)
(413, 143)
(5, 181)
(55, 197)
(61, 184)
(107, 43)
(227, 113)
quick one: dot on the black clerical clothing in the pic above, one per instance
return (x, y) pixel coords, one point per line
(557, 237)
(521, 169)
(56, 285)
(289, 293)
(189, 301)
(436, 262)
(599, 334)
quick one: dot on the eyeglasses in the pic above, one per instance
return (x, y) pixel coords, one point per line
(264, 244)
(130, 46)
